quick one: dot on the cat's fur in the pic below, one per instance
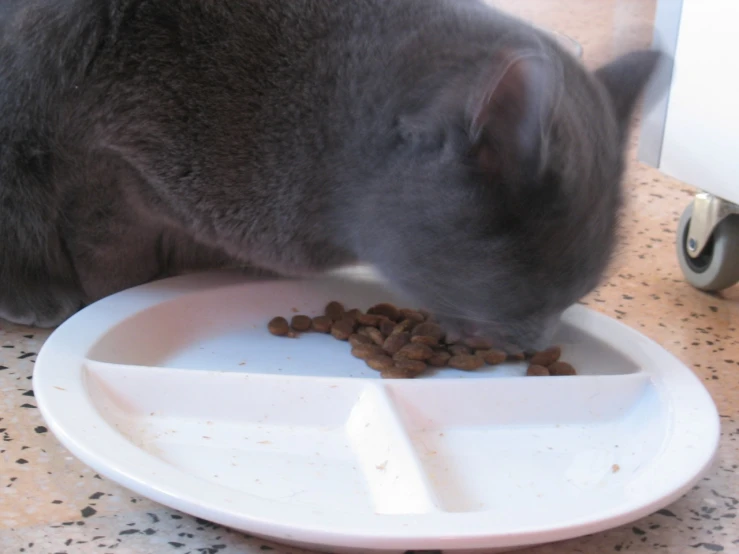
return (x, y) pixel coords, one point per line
(464, 154)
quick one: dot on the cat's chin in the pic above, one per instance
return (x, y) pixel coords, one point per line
(358, 271)
(512, 339)
(292, 272)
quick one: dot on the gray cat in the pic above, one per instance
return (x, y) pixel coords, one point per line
(464, 154)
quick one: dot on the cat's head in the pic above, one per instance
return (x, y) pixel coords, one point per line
(502, 210)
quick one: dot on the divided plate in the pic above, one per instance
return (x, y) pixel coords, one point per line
(177, 391)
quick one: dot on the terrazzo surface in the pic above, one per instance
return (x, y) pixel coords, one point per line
(53, 504)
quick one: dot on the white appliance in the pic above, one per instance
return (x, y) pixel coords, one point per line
(692, 133)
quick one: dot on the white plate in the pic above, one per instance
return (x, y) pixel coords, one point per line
(176, 390)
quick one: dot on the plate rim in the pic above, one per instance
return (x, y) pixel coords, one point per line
(379, 532)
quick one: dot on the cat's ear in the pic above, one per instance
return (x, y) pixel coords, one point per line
(510, 120)
(626, 77)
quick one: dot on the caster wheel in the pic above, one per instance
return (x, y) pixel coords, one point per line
(717, 267)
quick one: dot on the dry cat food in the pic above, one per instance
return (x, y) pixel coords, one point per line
(402, 343)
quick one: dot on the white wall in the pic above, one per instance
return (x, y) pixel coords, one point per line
(701, 142)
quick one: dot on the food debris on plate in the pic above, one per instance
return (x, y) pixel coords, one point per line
(402, 343)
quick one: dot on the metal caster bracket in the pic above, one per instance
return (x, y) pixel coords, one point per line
(708, 212)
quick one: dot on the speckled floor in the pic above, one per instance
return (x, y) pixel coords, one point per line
(51, 503)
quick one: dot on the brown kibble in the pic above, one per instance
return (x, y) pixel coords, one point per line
(322, 324)
(412, 367)
(477, 343)
(459, 350)
(615, 468)
(427, 329)
(439, 359)
(413, 315)
(396, 373)
(405, 326)
(349, 318)
(335, 310)
(546, 357)
(365, 351)
(301, 323)
(357, 339)
(387, 326)
(380, 362)
(466, 362)
(354, 313)
(377, 337)
(537, 371)
(395, 342)
(369, 320)
(424, 339)
(414, 352)
(494, 357)
(343, 329)
(278, 326)
(401, 343)
(385, 309)
(562, 368)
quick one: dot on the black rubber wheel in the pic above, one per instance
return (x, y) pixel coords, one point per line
(717, 267)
